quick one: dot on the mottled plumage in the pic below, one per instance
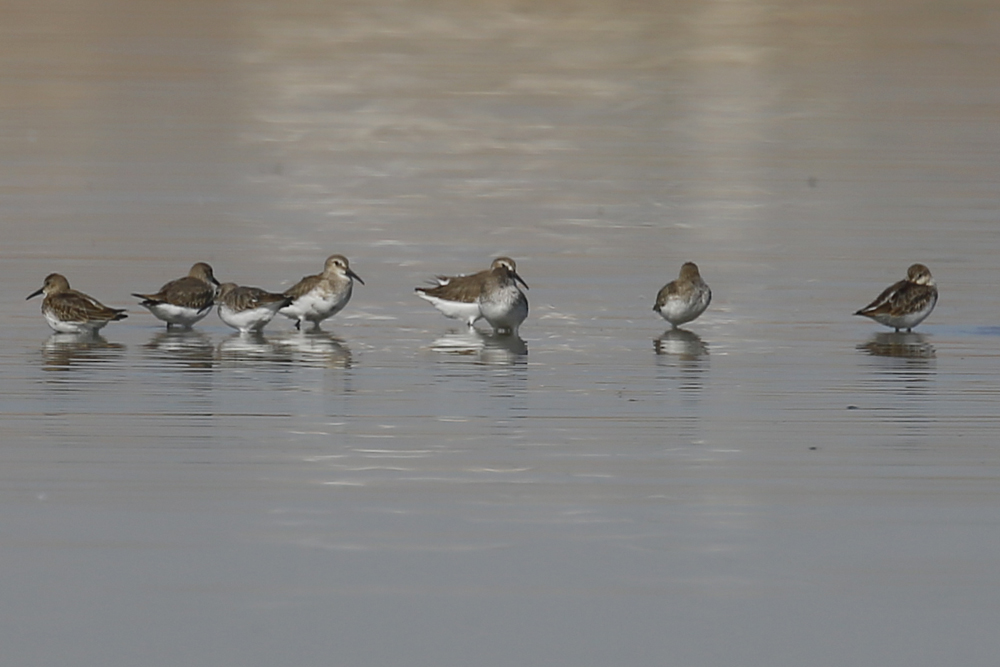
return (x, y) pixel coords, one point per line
(458, 297)
(186, 300)
(316, 298)
(248, 309)
(69, 311)
(684, 299)
(907, 303)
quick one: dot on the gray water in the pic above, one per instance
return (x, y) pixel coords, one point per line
(781, 484)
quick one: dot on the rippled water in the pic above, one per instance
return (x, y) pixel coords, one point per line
(778, 484)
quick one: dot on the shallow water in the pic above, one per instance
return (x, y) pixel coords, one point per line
(780, 484)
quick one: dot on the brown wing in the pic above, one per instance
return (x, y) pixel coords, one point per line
(464, 289)
(668, 290)
(187, 291)
(883, 303)
(911, 298)
(245, 298)
(78, 307)
(304, 286)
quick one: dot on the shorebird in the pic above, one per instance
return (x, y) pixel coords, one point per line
(315, 298)
(501, 302)
(460, 297)
(682, 300)
(248, 309)
(907, 303)
(184, 301)
(69, 311)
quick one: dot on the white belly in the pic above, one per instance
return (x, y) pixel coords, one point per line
(679, 311)
(459, 310)
(907, 321)
(316, 306)
(506, 310)
(252, 319)
(60, 326)
(181, 315)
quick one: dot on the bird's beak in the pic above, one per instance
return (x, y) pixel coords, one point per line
(35, 293)
(352, 274)
(519, 279)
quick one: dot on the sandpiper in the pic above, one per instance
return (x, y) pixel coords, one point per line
(248, 309)
(315, 298)
(184, 301)
(684, 299)
(501, 303)
(458, 297)
(907, 303)
(69, 311)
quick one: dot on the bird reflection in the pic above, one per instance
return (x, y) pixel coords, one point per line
(683, 357)
(682, 365)
(315, 347)
(191, 347)
(899, 344)
(63, 351)
(490, 349)
(680, 343)
(503, 350)
(481, 375)
(901, 381)
(251, 346)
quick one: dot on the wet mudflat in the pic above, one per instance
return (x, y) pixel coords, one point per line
(778, 484)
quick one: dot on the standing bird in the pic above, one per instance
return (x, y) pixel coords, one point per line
(457, 297)
(184, 301)
(69, 311)
(315, 298)
(248, 309)
(684, 299)
(501, 302)
(907, 303)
